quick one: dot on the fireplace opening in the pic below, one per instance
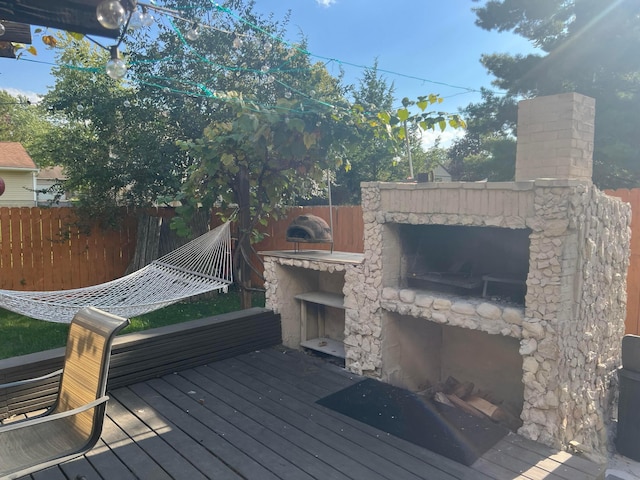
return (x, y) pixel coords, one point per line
(466, 260)
(419, 355)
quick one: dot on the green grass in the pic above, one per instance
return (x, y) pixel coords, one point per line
(21, 335)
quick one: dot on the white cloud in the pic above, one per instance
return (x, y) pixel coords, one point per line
(326, 3)
(446, 137)
(32, 96)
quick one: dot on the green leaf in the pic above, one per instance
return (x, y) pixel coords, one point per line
(422, 105)
(403, 114)
(297, 124)
(384, 117)
(248, 122)
(310, 139)
(227, 159)
(442, 125)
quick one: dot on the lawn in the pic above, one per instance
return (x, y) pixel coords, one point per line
(21, 335)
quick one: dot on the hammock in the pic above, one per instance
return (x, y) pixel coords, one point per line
(200, 266)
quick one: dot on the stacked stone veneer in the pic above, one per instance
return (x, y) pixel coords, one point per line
(572, 322)
(573, 319)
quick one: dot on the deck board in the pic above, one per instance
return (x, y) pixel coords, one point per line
(295, 399)
(255, 417)
(314, 437)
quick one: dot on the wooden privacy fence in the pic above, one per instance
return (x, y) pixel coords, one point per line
(348, 228)
(41, 249)
(44, 249)
(632, 196)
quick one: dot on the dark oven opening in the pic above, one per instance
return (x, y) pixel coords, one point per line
(487, 262)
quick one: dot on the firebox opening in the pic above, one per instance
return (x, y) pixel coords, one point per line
(419, 354)
(464, 260)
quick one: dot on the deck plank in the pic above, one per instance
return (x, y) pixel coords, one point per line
(315, 439)
(129, 452)
(297, 387)
(107, 463)
(210, 428)
(153, 443)
(299, 402)
(271, 432)
(255, 416)
(188, 446)
(51, 473)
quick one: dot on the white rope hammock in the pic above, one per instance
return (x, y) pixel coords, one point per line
(200, 266)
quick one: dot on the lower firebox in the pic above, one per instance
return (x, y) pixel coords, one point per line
(418, 354)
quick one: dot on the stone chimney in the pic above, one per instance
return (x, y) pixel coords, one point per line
(555, 138)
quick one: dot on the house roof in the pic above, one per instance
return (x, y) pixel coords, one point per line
(51, 173)
(13, 156)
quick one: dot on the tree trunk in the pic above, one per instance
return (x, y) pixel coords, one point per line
(244, 237)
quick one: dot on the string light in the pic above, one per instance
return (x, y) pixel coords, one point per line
(116, 68)
(2, 29)
(147, 18)
(111, 14)
(193, 34)
(136, 20)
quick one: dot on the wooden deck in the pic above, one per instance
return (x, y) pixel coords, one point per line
(254, 417)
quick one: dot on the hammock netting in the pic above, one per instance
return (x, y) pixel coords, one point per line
(200, 266)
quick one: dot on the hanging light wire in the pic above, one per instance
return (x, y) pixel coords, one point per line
(202, 90)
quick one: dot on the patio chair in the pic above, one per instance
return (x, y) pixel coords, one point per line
(73, 424)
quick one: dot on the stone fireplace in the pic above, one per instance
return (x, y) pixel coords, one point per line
(519, 287)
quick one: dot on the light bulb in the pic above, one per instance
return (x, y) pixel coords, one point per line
(116, 68)
(193, 34)
(136, 20)
(126, 103)
(287, 94)
(237, 42)
(80, 107)
(147, 18)
(111, 14)
(2, 29)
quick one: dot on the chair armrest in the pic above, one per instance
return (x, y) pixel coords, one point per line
(30, 380)
(49, 418)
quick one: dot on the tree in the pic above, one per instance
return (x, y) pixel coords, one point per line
(229, 115)
(371, 158)
(26, 123)
(116, 148)
(488, 147)
(263, 159)
(587, 46)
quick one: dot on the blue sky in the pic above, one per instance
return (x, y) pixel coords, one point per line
(423, 46)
